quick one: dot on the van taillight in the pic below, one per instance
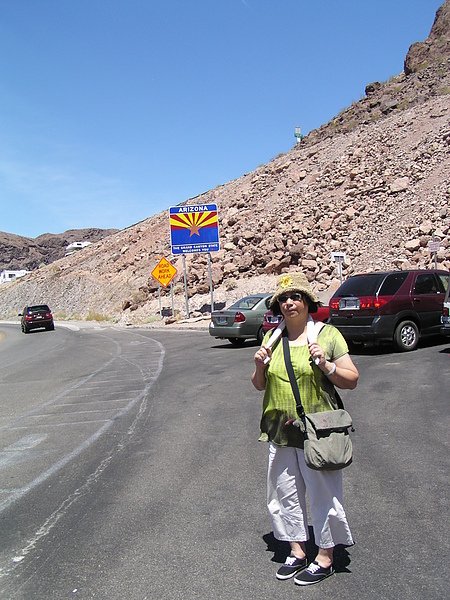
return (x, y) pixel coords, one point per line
(334, 303)
(366, 302)
(239, 317)
(381, 301)
(445, 311)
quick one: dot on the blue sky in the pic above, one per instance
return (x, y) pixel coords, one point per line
(114, 110)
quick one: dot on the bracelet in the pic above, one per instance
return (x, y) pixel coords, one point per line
(331, 371)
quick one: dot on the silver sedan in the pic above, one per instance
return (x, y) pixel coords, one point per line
(241, 321)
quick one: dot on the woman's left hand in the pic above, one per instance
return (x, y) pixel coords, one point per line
(317, 352)
(342, 370)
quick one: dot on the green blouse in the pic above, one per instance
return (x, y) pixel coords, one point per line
(317, 393)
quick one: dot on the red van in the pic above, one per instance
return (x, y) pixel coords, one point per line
(390, 306)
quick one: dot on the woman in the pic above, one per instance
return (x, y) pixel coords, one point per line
(318, 367)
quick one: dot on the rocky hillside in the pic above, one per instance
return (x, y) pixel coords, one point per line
(18, 252)
(374, 183)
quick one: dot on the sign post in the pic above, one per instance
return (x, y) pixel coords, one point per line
(210, 282)
(339, 258)
(171, 299)
(433, 247)
(186, 297)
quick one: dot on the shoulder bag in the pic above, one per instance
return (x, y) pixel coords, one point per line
(327, 444)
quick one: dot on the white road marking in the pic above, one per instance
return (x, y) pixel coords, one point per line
(16, 451)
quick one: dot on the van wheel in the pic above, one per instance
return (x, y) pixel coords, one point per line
(354, 346)
(406, 336)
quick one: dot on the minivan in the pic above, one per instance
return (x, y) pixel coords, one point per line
(390, 306)
(445, 317)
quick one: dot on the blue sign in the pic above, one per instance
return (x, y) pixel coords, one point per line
(194, 228)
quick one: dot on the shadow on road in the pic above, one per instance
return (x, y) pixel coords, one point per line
(225, 345)
(386, 349)
(281, 551)
(356, 349)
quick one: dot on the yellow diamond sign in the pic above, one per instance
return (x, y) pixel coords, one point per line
(164, 272)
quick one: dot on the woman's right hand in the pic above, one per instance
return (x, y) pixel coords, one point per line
(259, 374)
(261, 355)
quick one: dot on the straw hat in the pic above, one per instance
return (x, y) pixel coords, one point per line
(294, 282)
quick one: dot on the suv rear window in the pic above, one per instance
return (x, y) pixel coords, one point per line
(361, 285)
(392, 284)
(38, 308)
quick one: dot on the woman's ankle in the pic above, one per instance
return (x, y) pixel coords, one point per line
(325, 557)
(298, 549)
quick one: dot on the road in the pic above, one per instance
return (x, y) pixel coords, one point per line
(130, 468)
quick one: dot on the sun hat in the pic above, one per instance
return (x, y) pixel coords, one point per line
(294, 282)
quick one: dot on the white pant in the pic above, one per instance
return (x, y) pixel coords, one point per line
(288, 482)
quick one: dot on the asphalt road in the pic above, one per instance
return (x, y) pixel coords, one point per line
(130, 468)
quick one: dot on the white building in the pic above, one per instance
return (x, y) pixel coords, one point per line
(71, 248)
(7, 276)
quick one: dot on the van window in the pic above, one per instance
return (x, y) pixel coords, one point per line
(426, 284)
(392, 283)
(445, 280)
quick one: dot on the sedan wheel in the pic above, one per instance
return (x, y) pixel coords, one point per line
(406, 336)
(260, 335)
(236, 341)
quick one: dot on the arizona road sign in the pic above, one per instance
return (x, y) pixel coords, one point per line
(194, 228)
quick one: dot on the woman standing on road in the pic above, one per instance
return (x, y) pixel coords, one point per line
(288, 478)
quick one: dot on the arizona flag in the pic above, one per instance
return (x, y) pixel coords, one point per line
(194, 228)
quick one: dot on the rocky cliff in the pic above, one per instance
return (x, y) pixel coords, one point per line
(18, 252)
(374, 183)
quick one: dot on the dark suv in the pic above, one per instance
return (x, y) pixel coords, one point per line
(445, 317)
(393, 306)
(34, 317)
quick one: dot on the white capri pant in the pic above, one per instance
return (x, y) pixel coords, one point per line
(288, 482)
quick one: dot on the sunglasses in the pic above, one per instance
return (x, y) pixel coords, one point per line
(295, 297)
